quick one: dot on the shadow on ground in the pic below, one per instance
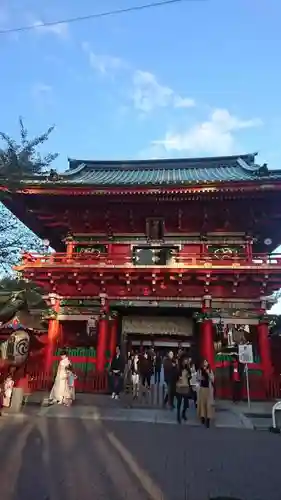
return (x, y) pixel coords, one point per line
(75, 459)
(32, 480)
(199, 464)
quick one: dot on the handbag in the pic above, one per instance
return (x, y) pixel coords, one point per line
(182, 387)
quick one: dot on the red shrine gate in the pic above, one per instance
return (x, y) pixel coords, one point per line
(190, 234)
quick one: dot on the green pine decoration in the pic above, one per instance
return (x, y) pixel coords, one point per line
(202, 316)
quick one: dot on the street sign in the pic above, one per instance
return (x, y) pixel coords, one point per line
(245, 352)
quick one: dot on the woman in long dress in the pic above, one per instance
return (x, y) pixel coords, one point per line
(60, 390)
(183, 389)
(205, 405)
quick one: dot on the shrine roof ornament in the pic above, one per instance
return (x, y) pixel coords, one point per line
(167, 172)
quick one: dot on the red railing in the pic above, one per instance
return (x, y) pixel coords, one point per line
(273, 387)
(119, 260)
(89, 383)
(97, 383)
(260, 389)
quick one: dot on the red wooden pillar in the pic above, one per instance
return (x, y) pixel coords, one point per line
(249, 248)
(53, 333)
(207, 342)
(69, 248)
(264, 348)
(103, 328)
(207, 350)
(113, 335)
(102, 344)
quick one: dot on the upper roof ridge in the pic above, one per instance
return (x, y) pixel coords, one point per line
(76, 165)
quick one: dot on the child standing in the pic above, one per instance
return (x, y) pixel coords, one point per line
(8, 391)
(71, 377)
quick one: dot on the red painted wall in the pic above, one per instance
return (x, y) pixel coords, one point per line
(120, 253)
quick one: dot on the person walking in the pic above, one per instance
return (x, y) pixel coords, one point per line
(146, 369)
(205, 405)
(193, 382)
(116, 372)
(135, 375)
(183, 389)
(157, 368)
(170, 376)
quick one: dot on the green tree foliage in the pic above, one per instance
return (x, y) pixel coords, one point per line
(18, 160)
(20, 297)
(15, 237)
(275, 324)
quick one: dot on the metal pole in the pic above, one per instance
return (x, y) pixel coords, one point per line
(274, 415)
(247, 385)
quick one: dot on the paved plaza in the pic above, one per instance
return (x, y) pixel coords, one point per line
(101, 407)
(84, 459)
(112, 411)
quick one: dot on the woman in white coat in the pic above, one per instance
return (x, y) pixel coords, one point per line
(60, 389)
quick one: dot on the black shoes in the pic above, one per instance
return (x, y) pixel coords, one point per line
(182, 417)
(206, 422)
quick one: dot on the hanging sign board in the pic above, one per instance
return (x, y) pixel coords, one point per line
(245, 352)
(95, 250)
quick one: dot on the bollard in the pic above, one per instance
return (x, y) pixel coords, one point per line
(274, 428)
(17, 399)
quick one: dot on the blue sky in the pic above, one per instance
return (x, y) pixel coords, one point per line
(193, 79)
(197, 78)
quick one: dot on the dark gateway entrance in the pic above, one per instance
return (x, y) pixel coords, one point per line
(162, 328)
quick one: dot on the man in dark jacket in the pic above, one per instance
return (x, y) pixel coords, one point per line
(146, 369)
(170, 377)
(116, 372)
(157, 368)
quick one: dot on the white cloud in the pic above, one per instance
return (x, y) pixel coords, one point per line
(59, 30)
(214, 136)
(149, 94)
(102, 63)
(183, 102)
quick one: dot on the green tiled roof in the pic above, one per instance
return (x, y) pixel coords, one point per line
(173, 172)
(167, 172)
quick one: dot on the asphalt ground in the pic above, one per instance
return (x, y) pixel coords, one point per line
(76, 459)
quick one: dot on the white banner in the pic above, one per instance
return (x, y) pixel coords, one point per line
(246, 354)
(159, 325)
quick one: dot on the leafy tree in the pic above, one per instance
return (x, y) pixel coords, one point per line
(19, 297)
(14, 238)
(18, 160)
(275, 324)
(22, 159)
